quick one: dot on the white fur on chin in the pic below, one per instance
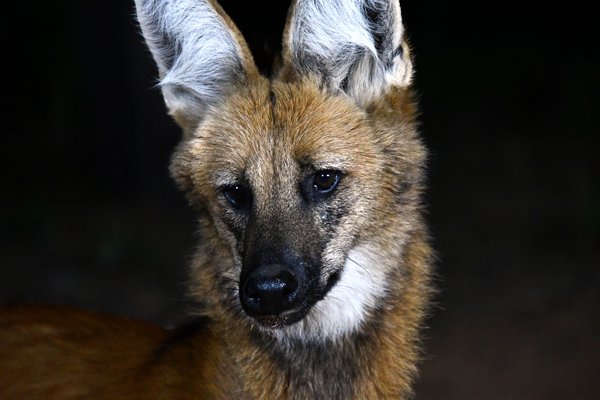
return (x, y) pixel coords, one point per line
(346, 306)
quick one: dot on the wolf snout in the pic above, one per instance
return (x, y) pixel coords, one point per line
(270, 290)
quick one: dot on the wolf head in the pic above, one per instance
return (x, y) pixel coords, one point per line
(307, 185)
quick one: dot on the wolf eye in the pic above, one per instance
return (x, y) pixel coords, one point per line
(239, 196)
(325, 181)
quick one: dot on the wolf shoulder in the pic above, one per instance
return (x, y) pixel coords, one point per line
(72, 354)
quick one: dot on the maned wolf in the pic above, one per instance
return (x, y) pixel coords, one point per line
(313, 269)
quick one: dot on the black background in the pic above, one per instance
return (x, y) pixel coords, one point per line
(89, 216)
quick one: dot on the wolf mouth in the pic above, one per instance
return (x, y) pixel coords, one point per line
(282, 320)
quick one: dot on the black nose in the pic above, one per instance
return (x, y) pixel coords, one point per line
(269, 290)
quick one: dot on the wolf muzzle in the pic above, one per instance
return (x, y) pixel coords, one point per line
(270, 290)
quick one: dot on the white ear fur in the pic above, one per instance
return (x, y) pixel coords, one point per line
(354, 46)
(198, 55)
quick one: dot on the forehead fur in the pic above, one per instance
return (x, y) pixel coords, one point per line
(270, 124)
(268, 133)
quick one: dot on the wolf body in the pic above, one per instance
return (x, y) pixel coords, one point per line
(313, 273)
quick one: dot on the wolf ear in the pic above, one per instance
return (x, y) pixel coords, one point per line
(353, 46)
(200, 54)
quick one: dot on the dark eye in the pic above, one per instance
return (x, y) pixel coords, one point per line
(239, 196)
(324, 182)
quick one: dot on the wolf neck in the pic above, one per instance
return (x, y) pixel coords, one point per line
(376, 361)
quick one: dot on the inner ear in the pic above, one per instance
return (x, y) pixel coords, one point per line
(384, 21)
(374, 17)
(349, 46)
(200, 54)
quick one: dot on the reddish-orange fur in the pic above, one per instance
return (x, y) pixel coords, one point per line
(58, 353)
(264, 130)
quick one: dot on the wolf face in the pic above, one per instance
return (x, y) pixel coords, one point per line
(307, 185)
